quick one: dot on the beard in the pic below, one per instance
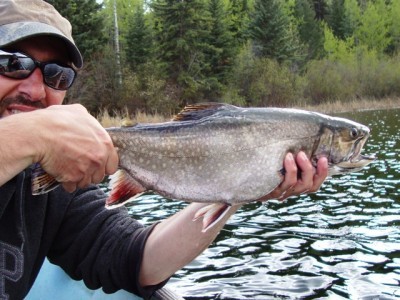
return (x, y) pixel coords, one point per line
(19, 100)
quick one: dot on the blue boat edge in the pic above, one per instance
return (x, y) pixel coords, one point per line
(52, 280)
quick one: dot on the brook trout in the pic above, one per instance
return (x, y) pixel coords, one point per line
(226, 155)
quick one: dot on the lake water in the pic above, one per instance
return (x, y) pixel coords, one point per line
(342, 242)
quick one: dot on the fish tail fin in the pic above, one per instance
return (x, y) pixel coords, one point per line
(42, 182)
(123, 189)
(211, 214)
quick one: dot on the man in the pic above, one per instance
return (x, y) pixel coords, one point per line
(105, 248)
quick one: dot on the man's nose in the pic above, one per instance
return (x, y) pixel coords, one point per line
(34, 86)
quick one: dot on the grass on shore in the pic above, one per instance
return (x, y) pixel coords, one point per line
(124, 119)
(353, 105)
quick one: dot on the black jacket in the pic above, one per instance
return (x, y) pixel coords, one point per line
(75, 231)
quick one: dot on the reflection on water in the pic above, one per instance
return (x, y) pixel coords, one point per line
(342, 242)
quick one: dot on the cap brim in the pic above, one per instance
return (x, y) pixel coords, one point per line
(11, 33)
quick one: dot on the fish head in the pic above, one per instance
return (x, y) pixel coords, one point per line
(342, 141)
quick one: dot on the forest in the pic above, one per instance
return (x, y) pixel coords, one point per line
(156, 56)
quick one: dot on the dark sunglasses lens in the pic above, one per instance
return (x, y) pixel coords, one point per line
(16, 66)
(58, 77)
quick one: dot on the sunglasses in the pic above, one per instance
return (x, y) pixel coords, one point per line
(17, 65)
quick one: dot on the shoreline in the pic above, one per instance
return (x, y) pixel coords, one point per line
(327, 108)
(352, 105)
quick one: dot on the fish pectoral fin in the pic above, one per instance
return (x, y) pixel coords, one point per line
(123, 189)
(42, 182)
(211, 214)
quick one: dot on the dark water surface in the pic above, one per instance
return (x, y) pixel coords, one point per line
(340, 243)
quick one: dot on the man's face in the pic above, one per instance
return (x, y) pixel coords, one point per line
(32, 93)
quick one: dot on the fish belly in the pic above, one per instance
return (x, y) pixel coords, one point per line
(228, 167)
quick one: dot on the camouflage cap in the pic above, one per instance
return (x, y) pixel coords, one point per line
(20, 19)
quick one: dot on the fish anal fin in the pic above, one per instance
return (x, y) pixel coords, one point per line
(211, 214)
(200, 110)
(123, 189)
(42, 182)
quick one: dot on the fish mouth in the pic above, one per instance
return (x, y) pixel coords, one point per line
(355, 161)
(355, 164)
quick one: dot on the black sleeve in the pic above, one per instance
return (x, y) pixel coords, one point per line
(101, 246)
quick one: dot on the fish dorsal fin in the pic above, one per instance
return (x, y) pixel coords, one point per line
(200, 110)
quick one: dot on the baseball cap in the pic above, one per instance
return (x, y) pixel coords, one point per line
(20, 19)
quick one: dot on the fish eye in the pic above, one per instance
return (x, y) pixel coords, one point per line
(354, 132)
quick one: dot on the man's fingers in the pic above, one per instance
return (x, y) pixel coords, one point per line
(69, 186)
(321, 174)
(112, 162)
(307, 171)
(310, 180)
(98, 177)
(291, 172)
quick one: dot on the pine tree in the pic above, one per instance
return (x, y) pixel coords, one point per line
(311, 31)
(321, 9)
(219, 54)
(181, 31)
(269, 31)
(344, 18)
(238, 12)
(87, 23)
(138, 40)
(337, 20)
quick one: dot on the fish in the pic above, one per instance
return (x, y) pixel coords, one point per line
(226, 155)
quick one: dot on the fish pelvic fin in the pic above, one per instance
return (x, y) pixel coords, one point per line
(211, 214)
(123, 189)
(42, 182)
(201, 110)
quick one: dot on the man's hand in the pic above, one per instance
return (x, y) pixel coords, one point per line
(310, 180)
(73, 147)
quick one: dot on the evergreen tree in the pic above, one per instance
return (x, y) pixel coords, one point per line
(219, 54)
(311, 32)
(138, 40)
(87, 23)
(181, 30)
(336, 19)
(238, 12)
(344, 18)
(321, 9)
(269, 31)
